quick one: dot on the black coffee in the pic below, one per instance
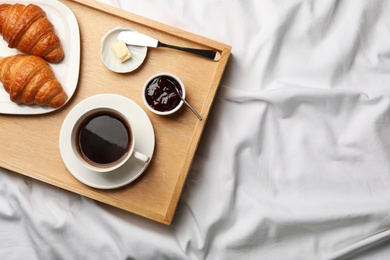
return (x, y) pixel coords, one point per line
(103, 139)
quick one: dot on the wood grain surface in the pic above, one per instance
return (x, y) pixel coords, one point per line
(30, 143)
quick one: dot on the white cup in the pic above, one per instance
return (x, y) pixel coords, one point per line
(103, 140)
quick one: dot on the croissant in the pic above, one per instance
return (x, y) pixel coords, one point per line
(30, 80)
(28, 29)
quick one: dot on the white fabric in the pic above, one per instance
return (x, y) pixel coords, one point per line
(294, 162)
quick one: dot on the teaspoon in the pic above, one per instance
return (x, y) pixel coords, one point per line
(185, 102)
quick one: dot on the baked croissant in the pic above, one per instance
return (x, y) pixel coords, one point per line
(27, 28)
(30, 80)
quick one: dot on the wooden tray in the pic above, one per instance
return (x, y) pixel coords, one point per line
(30, 143)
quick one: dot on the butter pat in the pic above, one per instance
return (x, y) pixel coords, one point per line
(121, 51)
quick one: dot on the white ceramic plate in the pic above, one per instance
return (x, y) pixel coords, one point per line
(112, 62)
(133, 168)
(67, 71)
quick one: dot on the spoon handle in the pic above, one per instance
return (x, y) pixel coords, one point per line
(185, 101)
(193, 110)
(209, 54)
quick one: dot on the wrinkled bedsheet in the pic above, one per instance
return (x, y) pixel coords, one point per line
(294, 162)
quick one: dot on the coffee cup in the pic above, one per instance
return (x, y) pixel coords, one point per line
(103, 140)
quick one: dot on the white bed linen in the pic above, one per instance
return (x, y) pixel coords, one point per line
(294, 162)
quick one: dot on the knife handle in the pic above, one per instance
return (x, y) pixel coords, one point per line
(209, 54)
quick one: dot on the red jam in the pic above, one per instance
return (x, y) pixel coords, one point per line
(161, 95)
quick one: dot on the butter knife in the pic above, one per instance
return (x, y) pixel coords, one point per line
(139, 39)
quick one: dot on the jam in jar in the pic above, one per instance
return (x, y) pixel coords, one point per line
(161, 94)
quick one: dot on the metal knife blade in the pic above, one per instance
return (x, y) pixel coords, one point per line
(138, 39)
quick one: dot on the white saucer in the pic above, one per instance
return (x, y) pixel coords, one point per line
(112, 62)
(133, 168)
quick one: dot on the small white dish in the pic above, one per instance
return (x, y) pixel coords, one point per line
(129, 171)
(109, 59)
(150, 81)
